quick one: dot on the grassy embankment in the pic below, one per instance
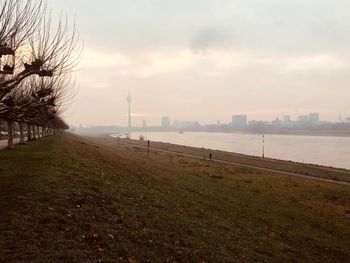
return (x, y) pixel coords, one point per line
(72, 199)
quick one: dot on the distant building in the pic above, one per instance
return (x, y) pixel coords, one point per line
(277, 122)
(254, 122)
(186, 125)
(314, 118)
(303, 118)
(239, 121)
(144, 124)
(286, 118)
(165, 122)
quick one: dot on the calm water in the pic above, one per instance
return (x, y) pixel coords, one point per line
(330, 151)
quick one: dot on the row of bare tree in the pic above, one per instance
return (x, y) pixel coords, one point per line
(37, 57)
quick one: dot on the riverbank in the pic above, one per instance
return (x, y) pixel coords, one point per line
(327, 151)
(268, 163)
(74, 199)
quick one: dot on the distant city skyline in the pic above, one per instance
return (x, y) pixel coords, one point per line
(304, 124)
(153, 119)
(238, 121)
(141, 120)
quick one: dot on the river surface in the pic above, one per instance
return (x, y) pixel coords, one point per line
(323, 150)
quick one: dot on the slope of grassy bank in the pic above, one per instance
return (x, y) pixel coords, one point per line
(73, 199)
(287, 166)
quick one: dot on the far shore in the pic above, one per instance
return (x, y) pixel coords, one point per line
(291, 133)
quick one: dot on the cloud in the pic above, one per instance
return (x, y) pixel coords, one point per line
(208, 38)
(286, 26)
(323, 62)
(183, 57)
(102, 68)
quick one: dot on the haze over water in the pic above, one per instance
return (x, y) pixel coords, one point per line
(322, 150)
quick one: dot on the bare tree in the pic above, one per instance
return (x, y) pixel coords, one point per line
(38, 55)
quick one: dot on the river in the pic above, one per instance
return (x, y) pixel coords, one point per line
(322, 150)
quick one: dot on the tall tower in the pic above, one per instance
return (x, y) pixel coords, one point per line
(129, 100)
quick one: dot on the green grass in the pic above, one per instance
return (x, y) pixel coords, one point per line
(73, 199)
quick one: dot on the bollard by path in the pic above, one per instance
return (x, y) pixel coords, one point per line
(210, 156)
(148, 145)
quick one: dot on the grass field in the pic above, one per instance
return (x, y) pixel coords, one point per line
(74, 199)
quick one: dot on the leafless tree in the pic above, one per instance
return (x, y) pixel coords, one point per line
(38, 55)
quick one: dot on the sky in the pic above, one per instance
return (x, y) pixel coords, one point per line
(207, 60)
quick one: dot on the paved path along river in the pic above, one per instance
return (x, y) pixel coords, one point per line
(244, 165)
(321, 150)
(3, 143)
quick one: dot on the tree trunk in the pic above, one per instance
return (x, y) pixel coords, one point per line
(21, 132)
(10, 144)
(34, 132)
(38, 131)
(29, 132)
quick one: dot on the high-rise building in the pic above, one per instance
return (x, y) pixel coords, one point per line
(303, 118)
(186, 125)
(239, 121)
(165, 122)
(286, 118)
(314, 117)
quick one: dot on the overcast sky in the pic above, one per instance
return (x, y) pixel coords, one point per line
(207, 60)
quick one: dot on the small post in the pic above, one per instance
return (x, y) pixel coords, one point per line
(210, 156)
(148, 145)
(263, 147)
